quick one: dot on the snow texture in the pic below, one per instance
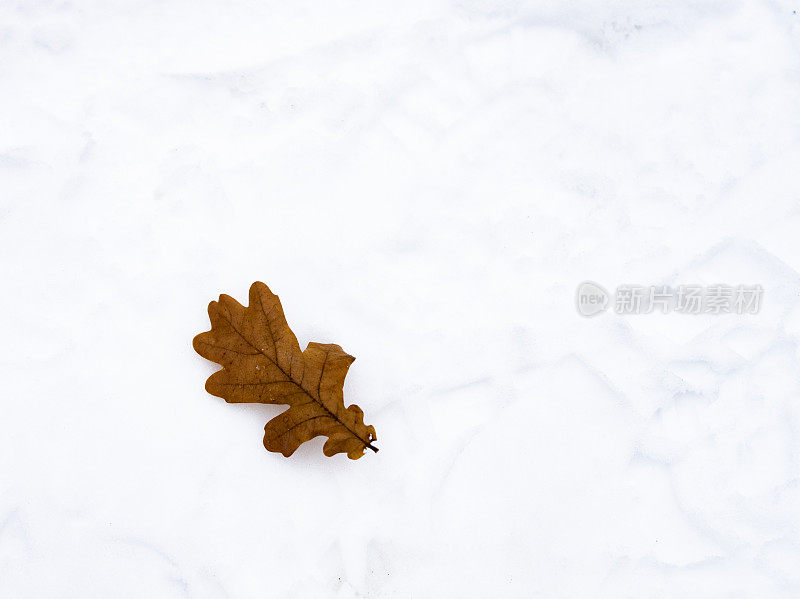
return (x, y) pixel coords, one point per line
(424, 183)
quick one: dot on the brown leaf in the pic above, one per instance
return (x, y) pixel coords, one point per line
(262, 363)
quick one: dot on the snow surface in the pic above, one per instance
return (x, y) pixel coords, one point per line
(425, 183)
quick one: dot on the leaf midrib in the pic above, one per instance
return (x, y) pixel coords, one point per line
(288, 378)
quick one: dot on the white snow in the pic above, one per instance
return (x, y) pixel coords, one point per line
(425, 184)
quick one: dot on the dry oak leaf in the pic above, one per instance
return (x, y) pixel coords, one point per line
(262, 363)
